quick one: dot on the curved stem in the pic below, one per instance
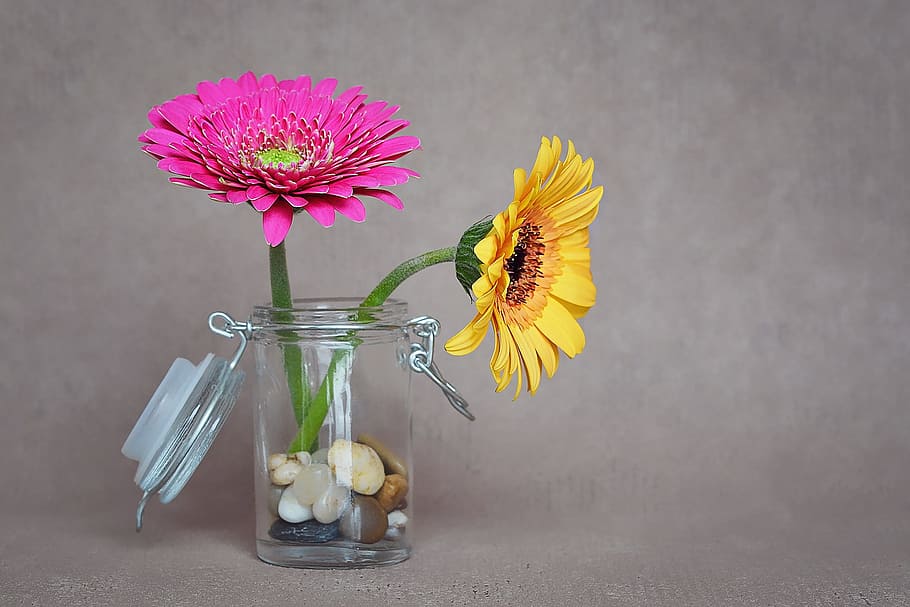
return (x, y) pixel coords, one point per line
(314, 416)
(404, 271)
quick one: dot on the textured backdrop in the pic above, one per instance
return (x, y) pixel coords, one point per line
(737, 427)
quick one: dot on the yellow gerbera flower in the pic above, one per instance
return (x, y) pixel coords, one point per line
(535, 270)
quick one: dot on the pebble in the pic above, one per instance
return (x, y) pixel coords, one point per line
(320, 456)
(397, 519)
(356, 466)
(285, 473)
(311, 532)
(365, 521)
(311, 483)
(397, 522)
(393, 464)
(276, 459)
(392, 492)
(331, 504)
(292, 511)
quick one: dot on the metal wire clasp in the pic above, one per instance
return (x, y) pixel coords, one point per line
(421, 361)
(222, 324)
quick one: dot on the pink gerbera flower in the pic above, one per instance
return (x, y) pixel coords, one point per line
(281, 146)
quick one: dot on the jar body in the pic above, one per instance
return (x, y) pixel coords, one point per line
(333, 476)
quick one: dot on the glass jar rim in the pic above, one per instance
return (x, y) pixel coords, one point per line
(330, 314)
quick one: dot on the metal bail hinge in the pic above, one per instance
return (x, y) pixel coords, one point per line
(222, 324)
(421, 361)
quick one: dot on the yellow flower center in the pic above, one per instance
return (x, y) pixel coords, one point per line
(523, 265)
(278, 156)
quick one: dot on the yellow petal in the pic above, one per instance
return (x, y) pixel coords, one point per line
(575, 310)
(574, 209)
(482, 287)
(501, 351)
(546, 159)
(529, 358)
(574, 288)
(560, 327)
(547, 352)
(465, 341)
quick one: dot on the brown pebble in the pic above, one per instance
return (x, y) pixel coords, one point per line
(365, 521)
(393, 464)
(392, 492)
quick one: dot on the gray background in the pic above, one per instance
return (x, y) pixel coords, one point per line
(734, 433)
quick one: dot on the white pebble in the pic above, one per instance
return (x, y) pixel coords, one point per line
(311, 483)
(356, 466)
(397, 519)
(292, 511)
(320, 456)
(276, 459)
(331, 504)
(285, 473)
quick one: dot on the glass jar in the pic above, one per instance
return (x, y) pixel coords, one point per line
(332, 438)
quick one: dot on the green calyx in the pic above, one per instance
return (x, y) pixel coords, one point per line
(467, 266)
(276, 156)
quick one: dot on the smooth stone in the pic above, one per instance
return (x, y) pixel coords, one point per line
(331, 504)
(392, 492)
(285, 473)
(276, 459)
(311, 483)
(365, 521)
(274, 497)
(310, 532)
(393, 464)
(356, 466)
(292, 511)
(320, 456)
(397, 519)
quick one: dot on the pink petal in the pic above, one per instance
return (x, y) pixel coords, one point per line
(351, 208)
(229, 88)
(294, 201)
(276, 222)
(247, 82)
(255, 192)
(158, 151)
(362, 181)
(350, 94)
(187, 182)
(180, 167)
(208, 180)
(387, 197)
(340, 189)
(163, 136)
(321, 211)
(392, 175)
(325, 87)
(268, 81)
(389, 128)
(236, 196)
(395, 147)
(209, 93)
(157, 120)
(218, 197)
(264, 203)
(176, 114)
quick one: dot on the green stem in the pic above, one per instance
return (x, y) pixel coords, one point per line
(404, 271)
(314, 417)
(293, 357)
